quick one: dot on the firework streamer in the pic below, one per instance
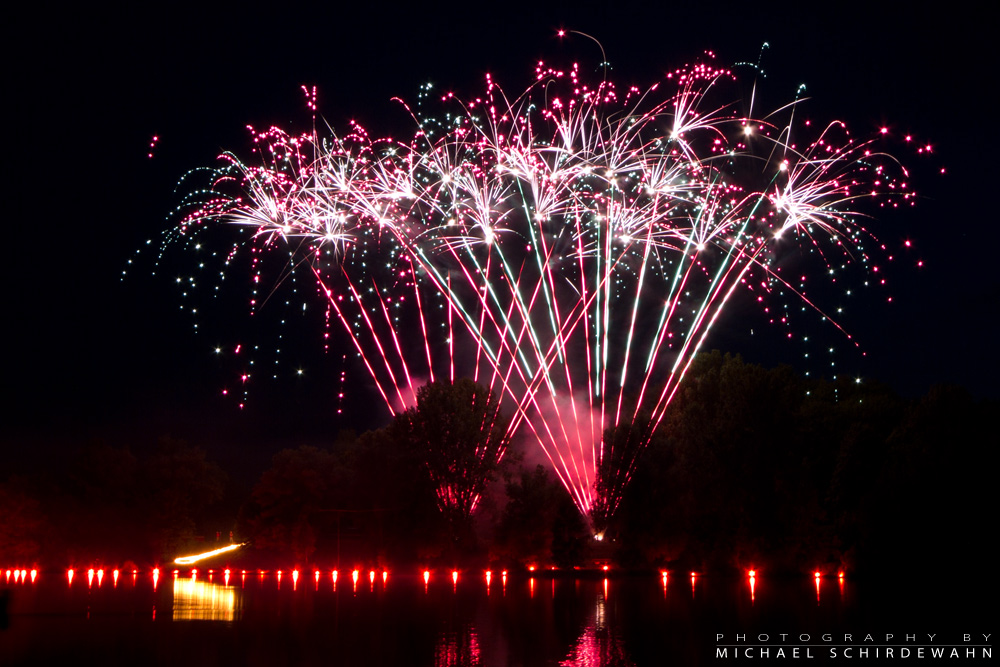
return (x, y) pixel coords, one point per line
(307, 203)
(591, 238)
(584, 239)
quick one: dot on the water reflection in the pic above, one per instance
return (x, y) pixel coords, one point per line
(456, 649)
(591, 620)
(599, 645)
(201, 601)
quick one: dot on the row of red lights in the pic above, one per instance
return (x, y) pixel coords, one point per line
(22, 575)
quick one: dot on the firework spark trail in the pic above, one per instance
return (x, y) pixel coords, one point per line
(585, 241)
(611, 210)
(320, 212)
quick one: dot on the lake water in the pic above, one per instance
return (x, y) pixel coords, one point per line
(621, 620)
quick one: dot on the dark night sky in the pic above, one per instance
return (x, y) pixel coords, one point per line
(89, 356)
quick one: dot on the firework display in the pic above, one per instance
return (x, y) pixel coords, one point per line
(570, 247)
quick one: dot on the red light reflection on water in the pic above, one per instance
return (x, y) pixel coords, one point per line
(385, 577)
(333, 575)
(503, 579)
(457, 648)
(753, 581)
(427, 579)
(663, 578)
(816, 577)
(597, 644)
(354, 578)
(156, 577)
(69, 576)
(489, 577)
(840, 583)
(114, 576)
(226, 573)
(371, 580)
(694, 579)
(454, 580)
(295, 580)
(90, 577)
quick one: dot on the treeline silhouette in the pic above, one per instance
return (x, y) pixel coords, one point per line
(751, 467)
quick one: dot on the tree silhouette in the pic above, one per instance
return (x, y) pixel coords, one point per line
(459, 432)
(281, 512)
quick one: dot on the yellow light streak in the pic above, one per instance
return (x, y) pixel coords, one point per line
(188, 560)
